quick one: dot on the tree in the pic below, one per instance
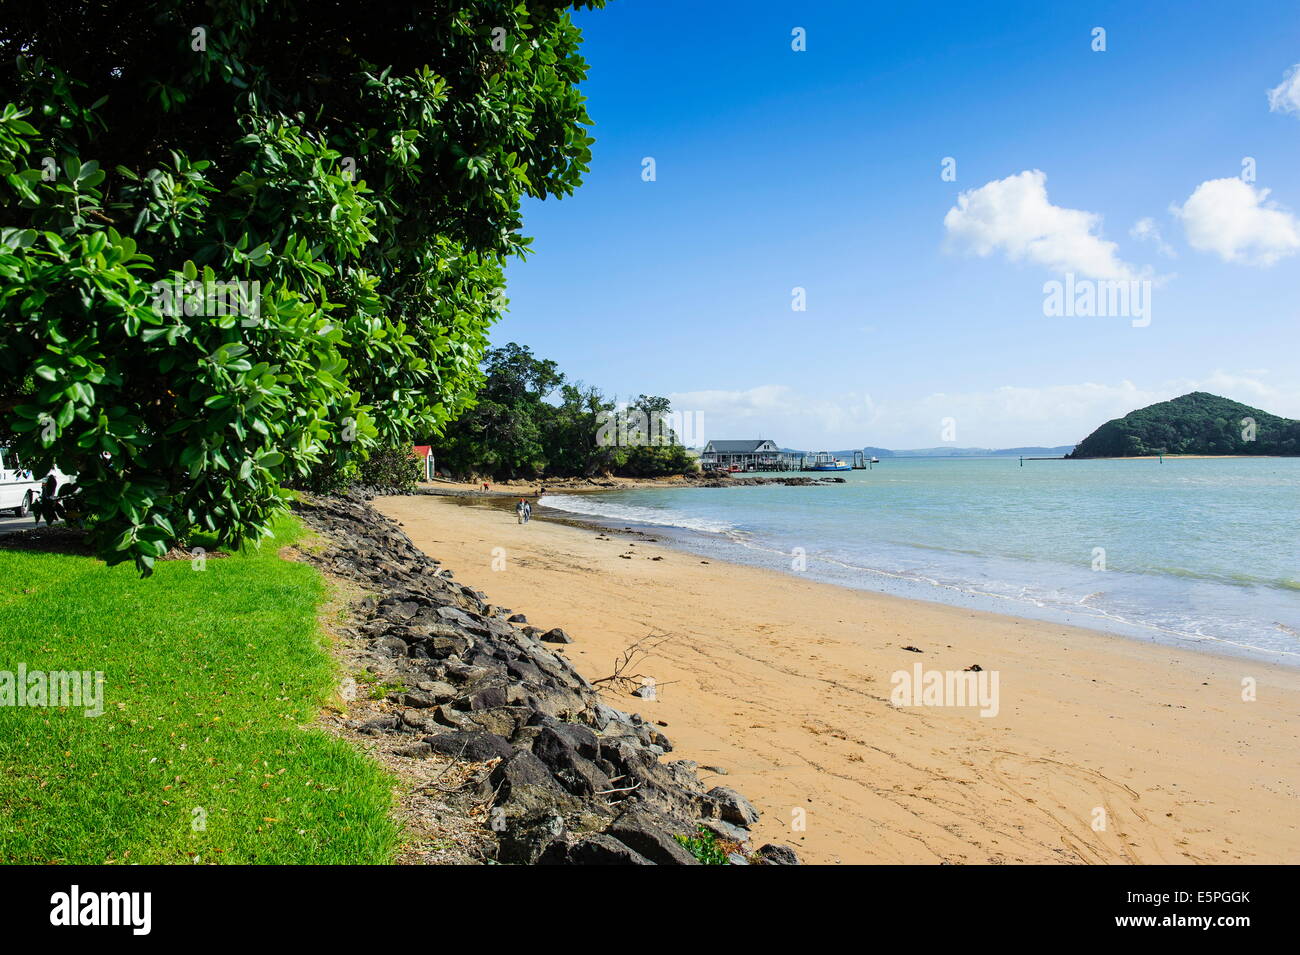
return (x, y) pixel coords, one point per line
(503, 434)
(516, 430)
(246, 239)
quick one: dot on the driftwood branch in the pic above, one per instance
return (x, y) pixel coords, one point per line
(631, 658)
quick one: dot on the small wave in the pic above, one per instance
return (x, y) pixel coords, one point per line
(1189, 629)
(1229, 579)
(590, 506)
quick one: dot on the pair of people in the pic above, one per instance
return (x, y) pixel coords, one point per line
(523, 511)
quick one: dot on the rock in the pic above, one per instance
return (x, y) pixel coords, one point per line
(417, 698)
(772, 854)
(731, 806)
(456, 617)
(575, 772)
(418, 719)
(521, 769)
(463, 674)
(396, 609)
(517, 618)
(487, 697)
(415, 750)
(914, 649)
(649, 838)
(390, 646)
(378, 725)
(440, 691)
(601, 715)
(574, 736)
(556, 636)
(442, 647)
(601, 849)
(527, 840)
(502, 721)
(725, 830)
(735, 858)
(474, 745)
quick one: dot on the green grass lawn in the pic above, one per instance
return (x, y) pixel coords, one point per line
(200, 754)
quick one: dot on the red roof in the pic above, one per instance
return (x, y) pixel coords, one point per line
(423, 450)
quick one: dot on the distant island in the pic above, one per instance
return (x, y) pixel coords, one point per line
(1196, 423)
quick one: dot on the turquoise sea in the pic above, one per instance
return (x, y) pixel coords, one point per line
(1202, 553)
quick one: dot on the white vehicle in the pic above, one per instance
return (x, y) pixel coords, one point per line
(20, 488)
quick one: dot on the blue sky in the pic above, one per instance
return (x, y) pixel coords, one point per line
(820, 169)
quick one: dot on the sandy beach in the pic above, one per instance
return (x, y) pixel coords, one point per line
(1097, 753)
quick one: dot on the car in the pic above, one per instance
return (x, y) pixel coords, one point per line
(20, 488)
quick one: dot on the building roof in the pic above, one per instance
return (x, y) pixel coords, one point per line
(737, 447)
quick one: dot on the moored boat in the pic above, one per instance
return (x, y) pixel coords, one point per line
(825, 461)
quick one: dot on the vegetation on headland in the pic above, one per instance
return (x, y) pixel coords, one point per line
(529, 421)
(211, 672)
(1195, 423)
(244, 241)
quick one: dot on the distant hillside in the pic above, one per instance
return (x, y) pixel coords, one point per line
(946, 452)
(1198, 423)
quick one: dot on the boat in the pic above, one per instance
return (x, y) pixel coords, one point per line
(825, 461)
(875, 460)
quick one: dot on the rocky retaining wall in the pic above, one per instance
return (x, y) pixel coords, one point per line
(564, 778)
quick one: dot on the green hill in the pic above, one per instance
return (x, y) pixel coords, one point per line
(1198, 423)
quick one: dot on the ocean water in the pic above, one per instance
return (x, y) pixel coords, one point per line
(1196, 553)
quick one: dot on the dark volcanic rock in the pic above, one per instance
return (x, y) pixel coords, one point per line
(772, 854)
(474, 745)
(604, 850)
(732, 807)
(649, 837)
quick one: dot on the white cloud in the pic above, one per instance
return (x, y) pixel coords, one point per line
(777, 412)
(1015, 217)
(1285, 97)
(1235, 220)
(1009, 416)
(1146, 230)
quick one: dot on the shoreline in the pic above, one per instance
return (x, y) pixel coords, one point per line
(785, 683)
(959, 593)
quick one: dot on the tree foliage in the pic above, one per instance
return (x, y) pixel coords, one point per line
(245, 239)
(528, 421)
(1196, 423)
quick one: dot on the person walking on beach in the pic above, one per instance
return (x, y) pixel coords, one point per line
(528, 512)
(521, 511)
